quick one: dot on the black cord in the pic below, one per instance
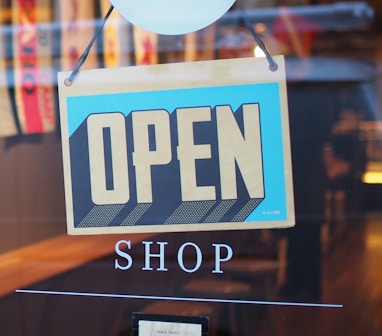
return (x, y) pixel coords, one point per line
(272, 64)
(69, 81)
(82, 59)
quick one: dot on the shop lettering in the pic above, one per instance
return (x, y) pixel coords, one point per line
(27, 39)
(46, 97)
(29, 83)
(73, 29)
(43, 37)
(222, 253)
(236, 150)
(73, 25)
(29, 35)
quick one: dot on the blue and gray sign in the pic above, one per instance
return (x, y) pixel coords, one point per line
(198, 158)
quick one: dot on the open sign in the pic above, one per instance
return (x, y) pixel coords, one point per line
(204, 152)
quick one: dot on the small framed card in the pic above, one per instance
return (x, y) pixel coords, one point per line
(169, 325)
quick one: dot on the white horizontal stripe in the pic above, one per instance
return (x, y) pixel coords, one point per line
(169, 298)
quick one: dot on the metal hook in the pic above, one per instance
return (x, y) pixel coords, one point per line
(69, 81)
(272, 64)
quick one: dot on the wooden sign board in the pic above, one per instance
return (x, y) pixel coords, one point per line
(177, 147)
